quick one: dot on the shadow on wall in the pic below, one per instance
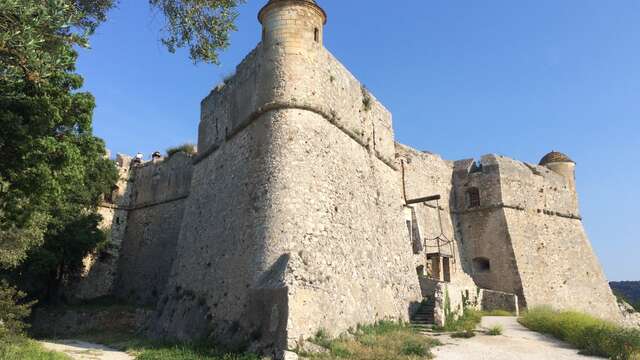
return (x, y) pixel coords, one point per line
(267, 313)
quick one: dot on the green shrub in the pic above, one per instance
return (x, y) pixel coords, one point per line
(415, 347)
(13, 310)
(188, 149)
(591, 335)
(467, 322)
(495, 330)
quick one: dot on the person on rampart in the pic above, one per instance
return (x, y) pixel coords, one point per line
(137, 160)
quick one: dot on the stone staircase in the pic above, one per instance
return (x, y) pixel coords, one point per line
(423, 319)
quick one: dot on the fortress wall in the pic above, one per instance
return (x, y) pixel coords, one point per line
(158, 198)
(278, 216)
(537, 188)
(428, 174)
(339, 218)
(527, 226)
(222, 251)
(233, 103)
(484, 234)
(342, 218)
(316, 79)
(161, 182)
(556, 262)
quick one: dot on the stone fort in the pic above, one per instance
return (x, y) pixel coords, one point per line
(301, 212)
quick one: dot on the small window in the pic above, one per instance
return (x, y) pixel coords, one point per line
(481, 265)
(410, 229)
(316, 34)
(473, 198)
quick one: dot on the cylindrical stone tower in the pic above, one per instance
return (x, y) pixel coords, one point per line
(294, 25)
(561, 164)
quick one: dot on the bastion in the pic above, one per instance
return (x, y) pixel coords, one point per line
(301, 212)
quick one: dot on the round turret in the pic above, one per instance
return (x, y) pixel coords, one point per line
(293, 24)
(562, 164)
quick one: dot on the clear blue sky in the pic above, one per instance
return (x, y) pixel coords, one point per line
(462, 78)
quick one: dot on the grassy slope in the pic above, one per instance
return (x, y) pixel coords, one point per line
(26, 349)
(591, 335)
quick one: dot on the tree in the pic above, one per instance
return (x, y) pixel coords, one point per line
(36, 62)
(52, 169)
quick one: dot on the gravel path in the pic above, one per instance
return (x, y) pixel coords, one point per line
(80, 350)
(516, 343)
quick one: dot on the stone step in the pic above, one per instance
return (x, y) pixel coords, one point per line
(421, 323)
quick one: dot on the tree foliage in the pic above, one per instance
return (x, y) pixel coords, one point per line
(13, 311)
(53, 170)
(201, 25)
(35, 35)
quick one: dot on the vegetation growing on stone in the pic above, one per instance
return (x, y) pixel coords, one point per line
(189, 149)
(367, 101)
(384, 340)
(591, 335)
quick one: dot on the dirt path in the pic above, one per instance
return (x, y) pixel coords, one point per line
(79, 350)
(516, 343)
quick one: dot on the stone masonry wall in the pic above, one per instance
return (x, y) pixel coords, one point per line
(426, 174)
(289, 122)
(528, 227)
(483, 229)
(154, 219)
(340, 220)
(556, 263)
